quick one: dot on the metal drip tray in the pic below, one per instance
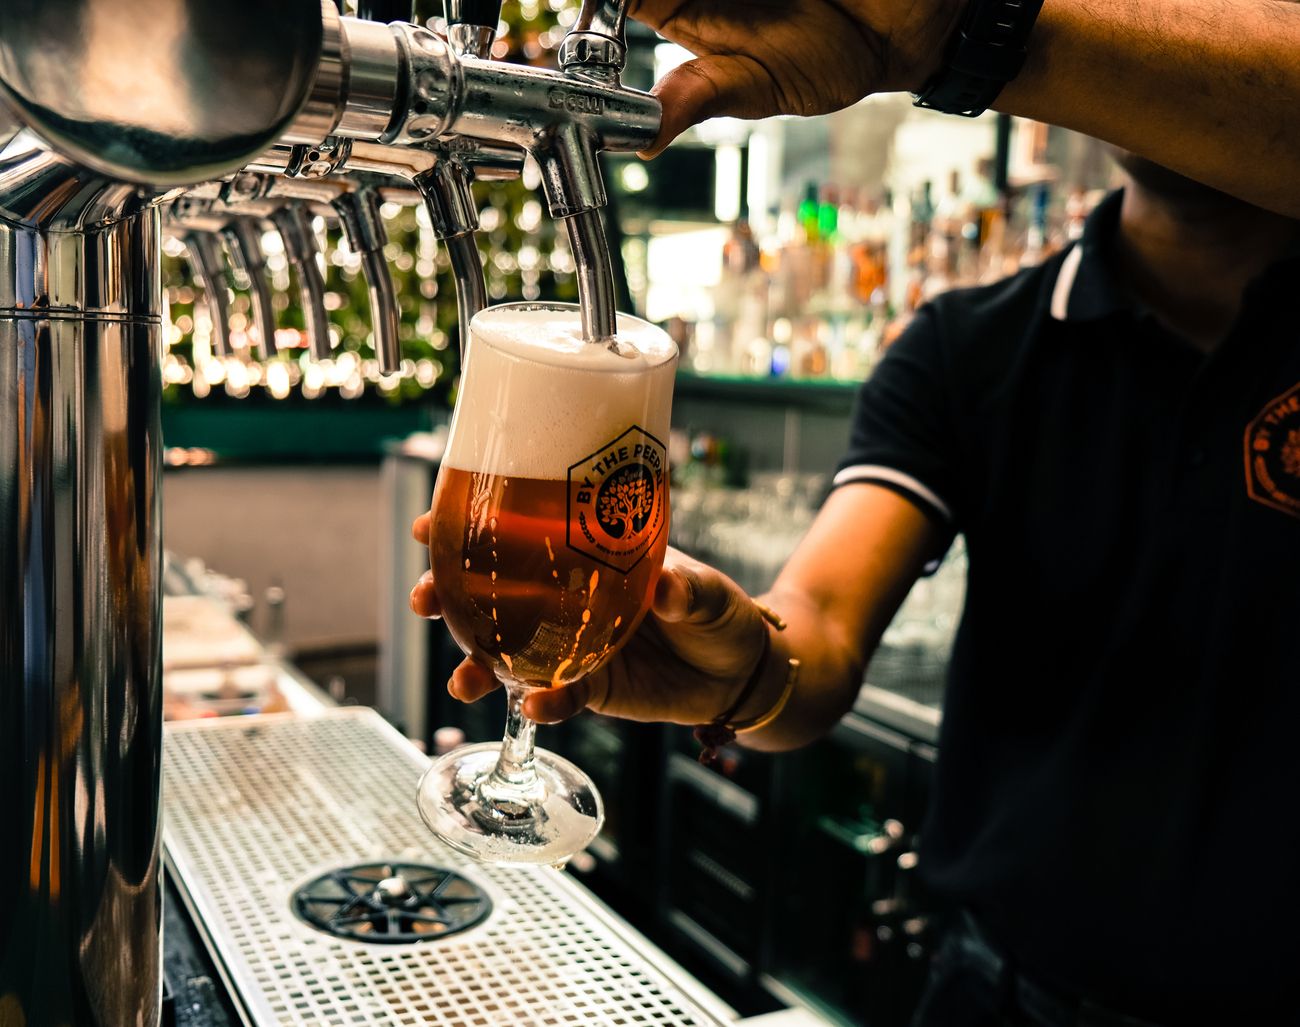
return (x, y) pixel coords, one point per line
(257, 808)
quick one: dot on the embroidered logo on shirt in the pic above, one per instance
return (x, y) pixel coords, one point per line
(1273, 454)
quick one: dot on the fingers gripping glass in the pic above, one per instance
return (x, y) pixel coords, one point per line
(548, 530)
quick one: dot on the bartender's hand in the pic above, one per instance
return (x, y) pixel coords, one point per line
(687, 662)
(757, 58)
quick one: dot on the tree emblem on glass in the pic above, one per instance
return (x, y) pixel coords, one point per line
(625, 501)
(544, 559)
(617, 507)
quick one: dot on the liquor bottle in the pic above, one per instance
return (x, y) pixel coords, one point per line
(1036, 235)
(807, 212)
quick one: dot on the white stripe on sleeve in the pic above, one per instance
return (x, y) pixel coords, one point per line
(878, 472)
(1065, 283)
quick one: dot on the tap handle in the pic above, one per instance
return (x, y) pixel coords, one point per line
(301, 250)
(596, 46)
(472, 26)
(209, 268)
(243, 238)
(386, 10)
(358, 213)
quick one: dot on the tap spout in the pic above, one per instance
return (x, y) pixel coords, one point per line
(204, 250)
(301, 250)
(243, 239)
(358, 213)
(590, 244)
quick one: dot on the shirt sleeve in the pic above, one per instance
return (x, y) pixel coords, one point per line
(901, 437)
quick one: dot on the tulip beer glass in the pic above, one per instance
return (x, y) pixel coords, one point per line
(550, 521)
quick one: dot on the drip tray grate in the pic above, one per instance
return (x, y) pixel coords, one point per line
(259, 808)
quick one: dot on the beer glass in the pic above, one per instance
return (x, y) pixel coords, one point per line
(549, 525)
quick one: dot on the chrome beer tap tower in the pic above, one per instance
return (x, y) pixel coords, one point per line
(212, 120)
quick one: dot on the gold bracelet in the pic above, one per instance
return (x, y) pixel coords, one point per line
(791, 679)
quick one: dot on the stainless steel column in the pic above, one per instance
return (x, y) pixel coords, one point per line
(80, 640)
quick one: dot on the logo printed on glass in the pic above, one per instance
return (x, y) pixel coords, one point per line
(618, 500)
(1273, 454)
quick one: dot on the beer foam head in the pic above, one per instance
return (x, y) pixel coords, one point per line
(536, 398)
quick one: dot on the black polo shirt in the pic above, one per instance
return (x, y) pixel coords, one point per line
(1117, 792)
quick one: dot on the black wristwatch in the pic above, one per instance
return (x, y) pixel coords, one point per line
(986, 52)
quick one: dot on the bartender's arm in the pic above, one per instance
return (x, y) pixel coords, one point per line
(703, 639)
(837, 594)
(1190, 84)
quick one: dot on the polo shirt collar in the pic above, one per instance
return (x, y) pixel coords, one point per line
(1085, 288)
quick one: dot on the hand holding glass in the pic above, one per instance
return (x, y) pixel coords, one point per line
(548, 530)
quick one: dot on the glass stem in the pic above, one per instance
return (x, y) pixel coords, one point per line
(515, 766)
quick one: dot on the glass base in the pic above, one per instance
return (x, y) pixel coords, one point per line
(551, 815)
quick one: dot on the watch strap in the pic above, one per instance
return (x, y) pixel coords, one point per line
(987, 51)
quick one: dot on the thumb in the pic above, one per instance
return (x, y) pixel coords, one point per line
(720, 85)
(689, 593)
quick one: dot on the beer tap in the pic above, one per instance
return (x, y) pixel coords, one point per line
(359, 216)
(450, 203)
(204, 250)
(243, 238)
(441, 175)
(471, 30)
(301, 250)
(305, 175)
(237, 207)
(358, 212)
(201, 229)
(404, 86)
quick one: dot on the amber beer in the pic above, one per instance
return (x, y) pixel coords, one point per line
(550, 516)
(518, 598)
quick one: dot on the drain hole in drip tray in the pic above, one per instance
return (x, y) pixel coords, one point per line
(391, 903)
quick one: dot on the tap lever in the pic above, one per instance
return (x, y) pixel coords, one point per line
(596, 46)
(301, 250)
(210, 269)
(359, 216)
(243, 238)
(472, 26)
